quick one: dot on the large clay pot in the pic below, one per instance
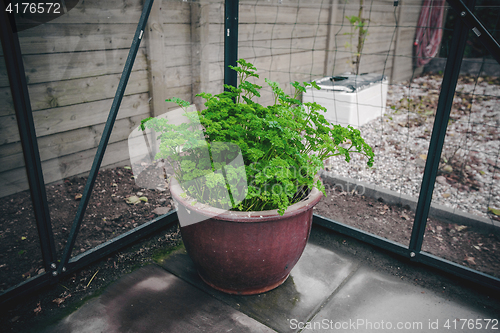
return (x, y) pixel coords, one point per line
(245, 253)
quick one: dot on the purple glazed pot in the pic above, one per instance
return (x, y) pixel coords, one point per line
(245, 253)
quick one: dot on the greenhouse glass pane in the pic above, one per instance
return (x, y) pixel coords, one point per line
(73, 65)
(20, 252)
(467, 186)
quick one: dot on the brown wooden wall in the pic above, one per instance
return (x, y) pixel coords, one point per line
(388, 48)
(73, 65)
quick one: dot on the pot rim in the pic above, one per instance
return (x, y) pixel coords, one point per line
(236, 216)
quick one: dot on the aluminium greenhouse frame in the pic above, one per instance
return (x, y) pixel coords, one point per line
(55, 268)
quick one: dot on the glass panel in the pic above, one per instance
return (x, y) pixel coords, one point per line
(468, 182)
(285, 40)
(370, 83)
(73, 64)
(20, 252)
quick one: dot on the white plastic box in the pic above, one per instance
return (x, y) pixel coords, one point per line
(350, 99)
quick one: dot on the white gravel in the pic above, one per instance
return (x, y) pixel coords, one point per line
(401, 139)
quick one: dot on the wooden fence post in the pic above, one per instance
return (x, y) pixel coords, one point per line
(396, 44)
(155, 51)
(200, 17)
(330, 39)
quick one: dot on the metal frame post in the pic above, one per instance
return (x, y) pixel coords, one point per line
(445, 103)
(231, 14)
(22, 105)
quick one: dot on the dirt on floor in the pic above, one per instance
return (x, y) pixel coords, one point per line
(119, 203)
(458, 243)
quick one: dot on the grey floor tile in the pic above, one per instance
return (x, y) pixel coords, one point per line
(316, 276)
(377, 302)
(152, 300)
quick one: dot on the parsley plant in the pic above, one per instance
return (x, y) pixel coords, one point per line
(283, 146)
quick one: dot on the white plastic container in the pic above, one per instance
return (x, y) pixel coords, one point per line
(350, 99)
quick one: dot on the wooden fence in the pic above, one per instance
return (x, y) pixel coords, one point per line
(73, 65)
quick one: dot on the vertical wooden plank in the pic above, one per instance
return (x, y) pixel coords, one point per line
(155, 49)
(396, 44)
(330, 39)
(200, 59)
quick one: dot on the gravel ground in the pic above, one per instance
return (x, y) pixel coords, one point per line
(469, 173)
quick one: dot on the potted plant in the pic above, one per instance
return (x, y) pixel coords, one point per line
(245, 180)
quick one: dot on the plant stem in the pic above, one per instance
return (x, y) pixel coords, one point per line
(360, 35)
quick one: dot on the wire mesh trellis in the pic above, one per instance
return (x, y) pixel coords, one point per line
(183, 54)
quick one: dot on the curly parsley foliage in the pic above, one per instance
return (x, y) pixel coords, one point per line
(283, 145)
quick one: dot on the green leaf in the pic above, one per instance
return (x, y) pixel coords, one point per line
(353, 19)
(315, 85)
(494, 211)
(182, 103)
(133, 200)
(143, 122)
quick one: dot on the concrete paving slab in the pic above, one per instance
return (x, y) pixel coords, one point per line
(152, 300)
(334, 287)
(316, 276)
(372, 301)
